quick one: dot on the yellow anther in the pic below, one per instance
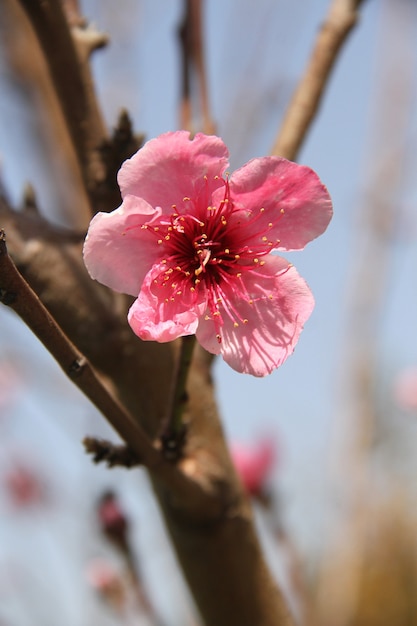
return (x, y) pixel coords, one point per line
(160, 241)
(216, 314)
(237, 257)
(271, 297)
(245, 321)
(226, 251)
(270, 225)
(250, 301)
(144, 227)
(186, 198)
(239, 274)
(282, 211)
(167, 237)
(235, 324)
(264, 238)
(256, 260)
(262, 263)
(207, 317)
(262, 210)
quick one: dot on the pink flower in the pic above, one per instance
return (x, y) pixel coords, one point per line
(195, 247)
(253, 463)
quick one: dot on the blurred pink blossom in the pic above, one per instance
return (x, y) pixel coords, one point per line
(405, 389)
(195, 247)
(254, 463)
(23, 486)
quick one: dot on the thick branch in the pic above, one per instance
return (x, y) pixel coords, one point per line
(342, 17)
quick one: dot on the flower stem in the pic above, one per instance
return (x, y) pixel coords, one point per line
(173, 433)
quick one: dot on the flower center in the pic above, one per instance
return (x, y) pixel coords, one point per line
(205, 247)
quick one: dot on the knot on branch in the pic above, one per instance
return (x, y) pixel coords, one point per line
(7, 297)
(110, 453)
(77, 367)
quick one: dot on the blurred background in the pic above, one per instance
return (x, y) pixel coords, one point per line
(333, 488)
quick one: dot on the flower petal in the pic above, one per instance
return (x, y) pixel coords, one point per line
(117, 252)
(297, 206)
(155, 316)
(262, 328)
(171, 167)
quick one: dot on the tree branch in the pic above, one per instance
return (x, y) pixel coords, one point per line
(190, 34)
(341, 18)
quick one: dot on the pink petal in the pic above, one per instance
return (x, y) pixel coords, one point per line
(154, 316)
(295, 202)
(281, 303)
(171, 167)
(117, 252)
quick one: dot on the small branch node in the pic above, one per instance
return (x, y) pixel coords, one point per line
(30, 202)
(77, 367)
(7, 297)
(110, 453)
(87, 39)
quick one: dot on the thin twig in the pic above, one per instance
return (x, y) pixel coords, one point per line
(341, 18)
(174, 430)
(190, 35)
